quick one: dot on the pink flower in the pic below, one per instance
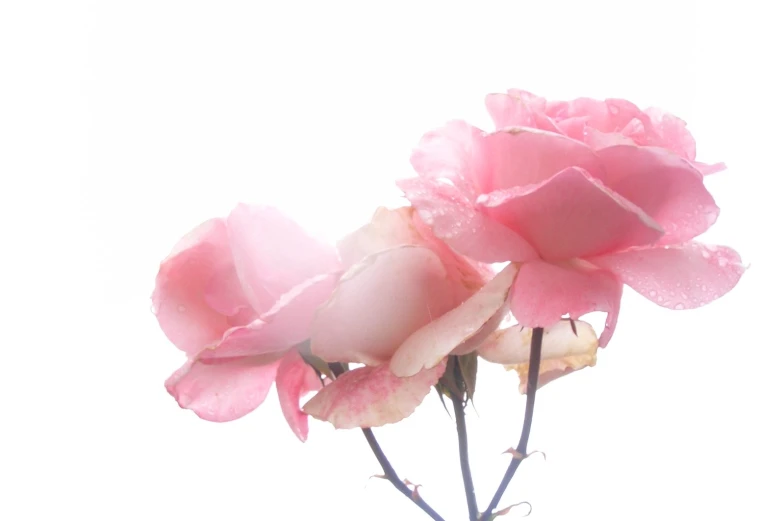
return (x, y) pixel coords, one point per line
(405, 303)
(599, 124)
(581, 221)
(236, 295)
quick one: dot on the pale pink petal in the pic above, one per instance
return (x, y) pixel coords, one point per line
(286, 324)
(524, 156)
(512, 345)
(225, 295)
(372, 397)
(378, 303)
(563, 351)
(665, 186)
(429, 345)
(610, 115)
(294, 380)
(273, 254)
(666, 131)
(221, 390)
(387, 229)
(456, 221)
(179, 303)
(571, 215)
(509, 110)
(544, 292)
(708, 169)
(452, 152)
(598, 140)
(677, 277)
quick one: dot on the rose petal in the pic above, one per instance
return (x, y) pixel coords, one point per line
(387, 229)
(378, 303)
(454, 219)
(572, 215)
(273, 254)
(430, 344)
(509, 110)
(666, 131)
(294, 380)
(706, 169)
(452, 152)
(372, 397)
(523, 156)
(512, 345)
(665, 186)
(563, 352)
(222, 390)
(184, 315)
(286, 324)
(544, 292)
(677, 277)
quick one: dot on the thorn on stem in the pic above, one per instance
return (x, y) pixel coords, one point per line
(414, 488)
(513, 452)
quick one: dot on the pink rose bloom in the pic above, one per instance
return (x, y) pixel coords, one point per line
(236, 295)
(580, 220)
(598, 124)
(405, 303)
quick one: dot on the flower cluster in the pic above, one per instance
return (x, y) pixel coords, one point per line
(531, 225)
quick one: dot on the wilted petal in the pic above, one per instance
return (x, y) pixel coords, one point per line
(294, 380)
(378, 303)
(677, 277)
(273, 253)
(185, 317)
(571, 215)
(222, 390)
(430, 344)
(563, 351)
(544, 292)
(665, 186)
(512, 345)
(454, 219)
(372, 397)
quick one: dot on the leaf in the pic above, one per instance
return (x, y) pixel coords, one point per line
(468, 365)
(508, 509)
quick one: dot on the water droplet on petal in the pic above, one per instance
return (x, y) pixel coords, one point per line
(679, 306)
(652, 293)
(181, 308)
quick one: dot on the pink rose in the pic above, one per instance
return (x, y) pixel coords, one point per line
(599, 124)
(405, 303)
(580, 221)
(236, 295)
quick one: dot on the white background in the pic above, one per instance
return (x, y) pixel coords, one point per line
(125, 124)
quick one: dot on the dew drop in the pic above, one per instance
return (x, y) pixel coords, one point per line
(652, 293)
(723, 262)
(181, 308)
(678, 306)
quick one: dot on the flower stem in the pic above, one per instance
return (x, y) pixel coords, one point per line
(465, 467)
(530, 399)
(392, 477)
